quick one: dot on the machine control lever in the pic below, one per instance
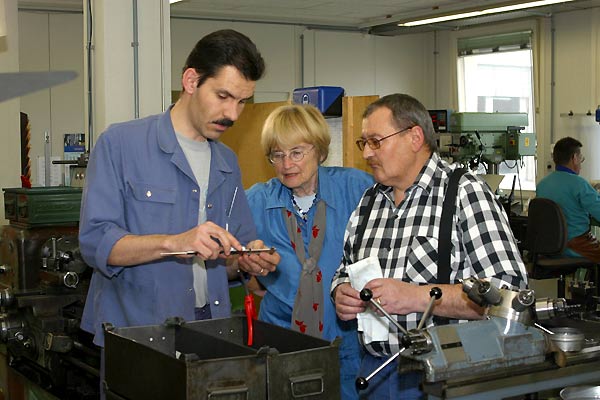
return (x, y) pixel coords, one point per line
(363, 383)
(414, 338)
(434, 294)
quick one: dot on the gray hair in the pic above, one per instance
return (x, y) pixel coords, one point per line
(406, 112)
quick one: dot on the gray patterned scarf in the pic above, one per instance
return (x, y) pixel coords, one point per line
(307, 316)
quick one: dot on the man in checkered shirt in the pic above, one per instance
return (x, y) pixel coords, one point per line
(402, 231)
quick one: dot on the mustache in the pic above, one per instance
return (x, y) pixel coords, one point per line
(372, 162)
(224, 121)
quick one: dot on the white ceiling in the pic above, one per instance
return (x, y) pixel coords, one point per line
(376, 16)
(350, 13)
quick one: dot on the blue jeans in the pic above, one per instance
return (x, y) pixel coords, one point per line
(350, 357)
(202, 313)
(388, 384)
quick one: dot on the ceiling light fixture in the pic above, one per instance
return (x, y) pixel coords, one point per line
(174, 1)
(478, 13)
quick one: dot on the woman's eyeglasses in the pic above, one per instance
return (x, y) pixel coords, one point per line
(374, 143)
(294, 155)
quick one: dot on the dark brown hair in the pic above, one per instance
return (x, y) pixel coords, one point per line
(223, 48)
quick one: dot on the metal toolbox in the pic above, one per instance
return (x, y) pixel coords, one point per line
(42, 206)
(210, 360)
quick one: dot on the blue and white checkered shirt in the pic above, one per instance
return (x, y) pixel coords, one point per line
(405, 238)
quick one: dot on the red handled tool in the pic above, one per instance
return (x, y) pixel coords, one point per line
(249, 309)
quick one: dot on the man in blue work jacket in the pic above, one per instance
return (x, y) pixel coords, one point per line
(165, 184)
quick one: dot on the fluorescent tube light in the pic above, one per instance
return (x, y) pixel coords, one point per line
(174, 1)
(478, 13)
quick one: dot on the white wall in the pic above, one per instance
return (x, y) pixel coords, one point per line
(365, 64)
(52, 42)
(423, 65)
(577, 80)
(297, 57)
(115, 96)
(10, 164)
(277, 43)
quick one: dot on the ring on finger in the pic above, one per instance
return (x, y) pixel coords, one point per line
(261, 270)
(378, 300)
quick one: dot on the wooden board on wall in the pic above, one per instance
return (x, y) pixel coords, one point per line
(352, 110)
(244, 139)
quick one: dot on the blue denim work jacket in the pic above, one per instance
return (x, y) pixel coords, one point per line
(139, 182)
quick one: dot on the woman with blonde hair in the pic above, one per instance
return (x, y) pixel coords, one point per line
(303, 213)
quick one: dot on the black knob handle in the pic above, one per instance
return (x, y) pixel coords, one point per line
(435, 292)
(366, 294)
(361, 383)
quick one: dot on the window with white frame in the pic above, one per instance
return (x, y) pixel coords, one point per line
(495, 74)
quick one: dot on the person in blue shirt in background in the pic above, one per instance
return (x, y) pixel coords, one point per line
(577, 199)
(303, 213)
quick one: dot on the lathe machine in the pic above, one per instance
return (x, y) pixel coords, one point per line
(523, 346)
(43, 285)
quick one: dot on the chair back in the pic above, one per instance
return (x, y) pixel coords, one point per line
(546, 228)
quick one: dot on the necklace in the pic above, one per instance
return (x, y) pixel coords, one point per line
(302, 213)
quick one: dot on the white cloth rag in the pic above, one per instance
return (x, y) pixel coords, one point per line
(375, 328)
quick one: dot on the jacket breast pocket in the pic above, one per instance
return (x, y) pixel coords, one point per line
(421, 264)
(151, 200)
